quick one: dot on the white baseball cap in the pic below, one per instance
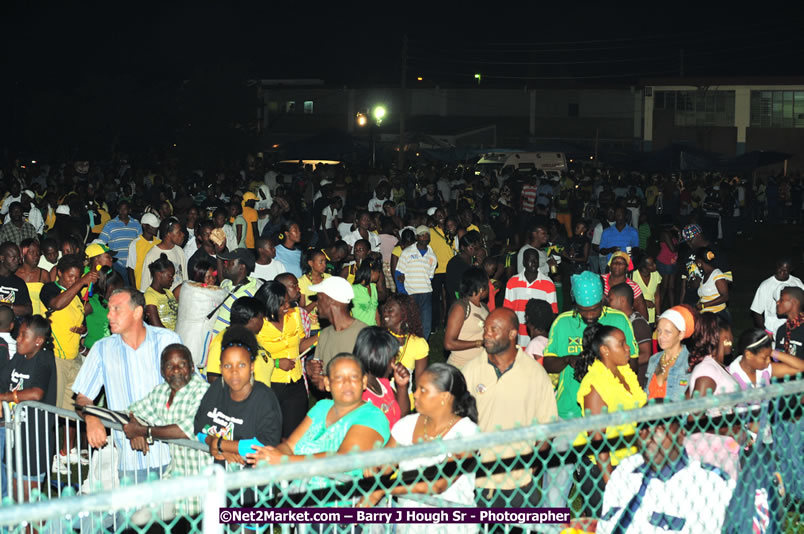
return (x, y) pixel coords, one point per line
(64, 209)
(336, 288)
(151, 220)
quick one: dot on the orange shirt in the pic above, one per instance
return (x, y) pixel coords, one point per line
(251, 216)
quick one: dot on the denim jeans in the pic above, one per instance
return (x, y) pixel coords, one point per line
(424, 301)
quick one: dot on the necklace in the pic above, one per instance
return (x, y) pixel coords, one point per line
(428, 437)
(665, 362)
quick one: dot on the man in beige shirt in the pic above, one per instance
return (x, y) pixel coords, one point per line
(511, 389)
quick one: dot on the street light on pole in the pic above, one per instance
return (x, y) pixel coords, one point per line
(377, 114)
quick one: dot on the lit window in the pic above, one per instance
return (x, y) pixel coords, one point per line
(290, 106)
(308, 107)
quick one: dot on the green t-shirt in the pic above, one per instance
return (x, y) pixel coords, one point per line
(566, 338)
(97, 322)
(364, 306)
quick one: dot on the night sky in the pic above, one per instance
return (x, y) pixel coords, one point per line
(76, 77)
(361, 45)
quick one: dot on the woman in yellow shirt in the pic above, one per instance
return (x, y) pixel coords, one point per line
(161, 307)
(314, 269)
(282, 335)
(607, 381)
(400, 316)
(33, 276)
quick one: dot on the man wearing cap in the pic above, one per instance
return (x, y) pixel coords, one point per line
(139, 247)
(118, 234)
(334, 296)
(693, 236)
(17, 229)
(564, 346)
(415, 270)
(29, 212)
(237, 265)
(565, 342)
(14, 195)
(251, 217)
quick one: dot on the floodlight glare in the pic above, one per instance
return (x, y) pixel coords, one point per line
(379, 113)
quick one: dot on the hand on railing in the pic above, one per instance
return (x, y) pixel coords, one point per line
(139, 444)
(96, 432)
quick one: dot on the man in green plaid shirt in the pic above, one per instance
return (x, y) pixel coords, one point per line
(168, 412)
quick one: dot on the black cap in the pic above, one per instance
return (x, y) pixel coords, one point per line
(243, 255)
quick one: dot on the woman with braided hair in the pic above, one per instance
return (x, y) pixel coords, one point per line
(400, 316)
(607, 381)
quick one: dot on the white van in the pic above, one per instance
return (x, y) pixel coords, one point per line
(549, 162)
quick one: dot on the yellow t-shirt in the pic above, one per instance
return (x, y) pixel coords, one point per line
(397, 251)
(104, 218)
(166, 306)
(414, 348)
(443, 251)
(263, 365)
(65, 342)
(251, 216)
(304, 286)
(616, 398)
(142, 246)
(33, 291)
(284, 344)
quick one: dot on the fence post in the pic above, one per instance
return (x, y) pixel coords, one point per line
(214, 499)
(8, 423)
(20, 416)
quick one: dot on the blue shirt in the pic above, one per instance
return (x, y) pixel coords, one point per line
(119, 235)
(291, 259)
(127, 375)
(612, 237)
(678, 377)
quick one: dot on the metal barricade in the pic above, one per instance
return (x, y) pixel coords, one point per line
(293, 485)
(35, 433)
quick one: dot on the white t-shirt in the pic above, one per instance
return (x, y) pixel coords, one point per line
(268, 272)
(176, 257)
(765, 298)
(352, 237)
(328, 216)
(191, 246)
(375, 204)
(344, 229)
(462, 491)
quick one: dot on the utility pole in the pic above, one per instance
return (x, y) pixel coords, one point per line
(402, 105)
(681, 63)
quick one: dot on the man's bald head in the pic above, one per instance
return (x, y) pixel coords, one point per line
(505, 314)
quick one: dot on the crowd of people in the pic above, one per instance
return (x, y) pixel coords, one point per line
(428, 305)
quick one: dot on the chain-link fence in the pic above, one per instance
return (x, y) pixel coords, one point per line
(730, 463)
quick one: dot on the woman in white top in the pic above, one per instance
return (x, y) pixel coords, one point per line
(713, 293)
(754, 367)
(710, 343)
(446, 410)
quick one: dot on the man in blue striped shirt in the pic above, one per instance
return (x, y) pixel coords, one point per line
(127, 365)
(118, 234)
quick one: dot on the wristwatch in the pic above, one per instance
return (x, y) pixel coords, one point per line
(149, 439)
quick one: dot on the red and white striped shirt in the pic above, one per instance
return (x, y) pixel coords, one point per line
(633, 285)
(518, 291)
(529, 193)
